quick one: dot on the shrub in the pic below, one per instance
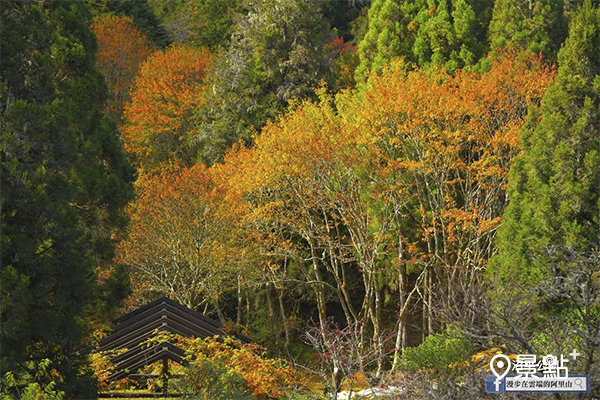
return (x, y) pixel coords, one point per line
(208, 380)
(32, 389)
(238, 368)
(438, 351)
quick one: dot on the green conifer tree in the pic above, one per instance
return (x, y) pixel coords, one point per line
(533, 25)
(423, 32)
(554, 186)
(390, 34)
(446, 35)
(64, 183)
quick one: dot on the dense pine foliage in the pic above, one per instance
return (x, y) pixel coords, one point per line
(65, 182)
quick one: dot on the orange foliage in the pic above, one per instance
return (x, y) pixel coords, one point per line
(183, 239)
(160, 119)
(303, 185)
(442, 143)
(290, 166)
(448, 142)
(262, 377)
(413, 167)
(102, 368)
(121, 50)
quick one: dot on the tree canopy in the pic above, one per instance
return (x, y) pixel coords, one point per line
(160, 120)
(278, 52)
(554, 185)
(121, 50)
(422, 32)
(65, 181)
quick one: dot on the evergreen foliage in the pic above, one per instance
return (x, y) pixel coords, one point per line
(65, 180)
(423, 32)
(554, 186)
(205, 23)
(389, 35)
(438, 351)
(139, 10)
(340, 15)
(538, 26)
(278, 53)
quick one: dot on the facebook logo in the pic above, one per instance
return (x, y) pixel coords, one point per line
(494, 384)
(517, 383)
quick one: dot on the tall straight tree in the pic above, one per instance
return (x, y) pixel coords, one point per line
(554, 186)
(64, 183)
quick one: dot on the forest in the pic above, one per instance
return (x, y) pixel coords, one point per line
(378, 193)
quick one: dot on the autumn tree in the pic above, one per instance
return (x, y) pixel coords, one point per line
(405, 177)
(121, 50)
(140, 12)
(160, 120)
(446, 144)
(554, 185)
(345, 64)
(64, 183)
(290, 208)
(446, 175)
(182, 239)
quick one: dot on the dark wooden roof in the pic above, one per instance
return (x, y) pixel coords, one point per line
(137, 358)
(137, 326)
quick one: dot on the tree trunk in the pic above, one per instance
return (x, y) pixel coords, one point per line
(377, 326)
(222, 319)
(319, 290)
(240, 301)
(424, 300)
(274, 329)
(402, 334)
(286, 327)
(247, 308)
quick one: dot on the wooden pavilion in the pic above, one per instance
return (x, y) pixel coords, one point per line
(135, 327)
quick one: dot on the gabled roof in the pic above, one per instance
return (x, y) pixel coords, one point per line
(137, 358)
(137, 326)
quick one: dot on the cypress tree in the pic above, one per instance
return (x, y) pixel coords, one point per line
(554, 186)
(423, 32)
(64, 183)
(390, 34)
(538, 26)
